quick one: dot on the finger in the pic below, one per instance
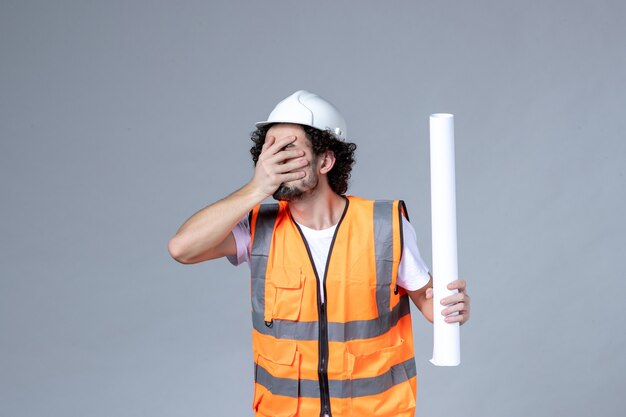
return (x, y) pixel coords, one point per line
(283, 156)
(269, 141)
(279, 144)
(458, 284)
(429, 293)
(292, 165)
(453, 299)
(461, 318)
(291, 176)
(453, 309)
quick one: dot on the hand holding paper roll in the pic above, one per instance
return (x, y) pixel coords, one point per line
(447, 289)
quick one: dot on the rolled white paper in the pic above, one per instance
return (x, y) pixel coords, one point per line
(446, 343)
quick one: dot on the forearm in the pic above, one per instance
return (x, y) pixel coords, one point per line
(209, 227)
(427, 309)
(423, 302)
(205, 235)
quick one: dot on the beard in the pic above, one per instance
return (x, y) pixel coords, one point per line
(287, 193)
(295, 192)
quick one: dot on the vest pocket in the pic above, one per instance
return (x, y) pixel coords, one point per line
(371, 364)
(277, 372)
(288, 286)
(379, 382)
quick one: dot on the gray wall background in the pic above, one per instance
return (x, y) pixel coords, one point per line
(120, 119)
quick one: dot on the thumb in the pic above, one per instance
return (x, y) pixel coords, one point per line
(429, 293)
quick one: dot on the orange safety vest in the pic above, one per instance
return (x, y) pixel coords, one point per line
(351, 355)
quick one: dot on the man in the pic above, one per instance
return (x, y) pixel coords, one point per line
(331, 275)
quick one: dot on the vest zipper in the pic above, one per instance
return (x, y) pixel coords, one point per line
(322, 364)
(322, 369)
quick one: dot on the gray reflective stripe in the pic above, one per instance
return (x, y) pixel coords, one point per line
(263, 231)
(360, 387)
(337, 332)
(365, 329)
(285, 329)
(285, 386)
(383, 238)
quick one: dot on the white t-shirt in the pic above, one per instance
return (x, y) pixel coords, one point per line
(412, 272)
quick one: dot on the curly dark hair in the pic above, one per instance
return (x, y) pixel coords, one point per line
(321, 141)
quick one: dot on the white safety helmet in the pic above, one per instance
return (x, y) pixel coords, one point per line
(308, 109)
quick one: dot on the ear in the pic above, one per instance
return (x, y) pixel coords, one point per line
(327, 162)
